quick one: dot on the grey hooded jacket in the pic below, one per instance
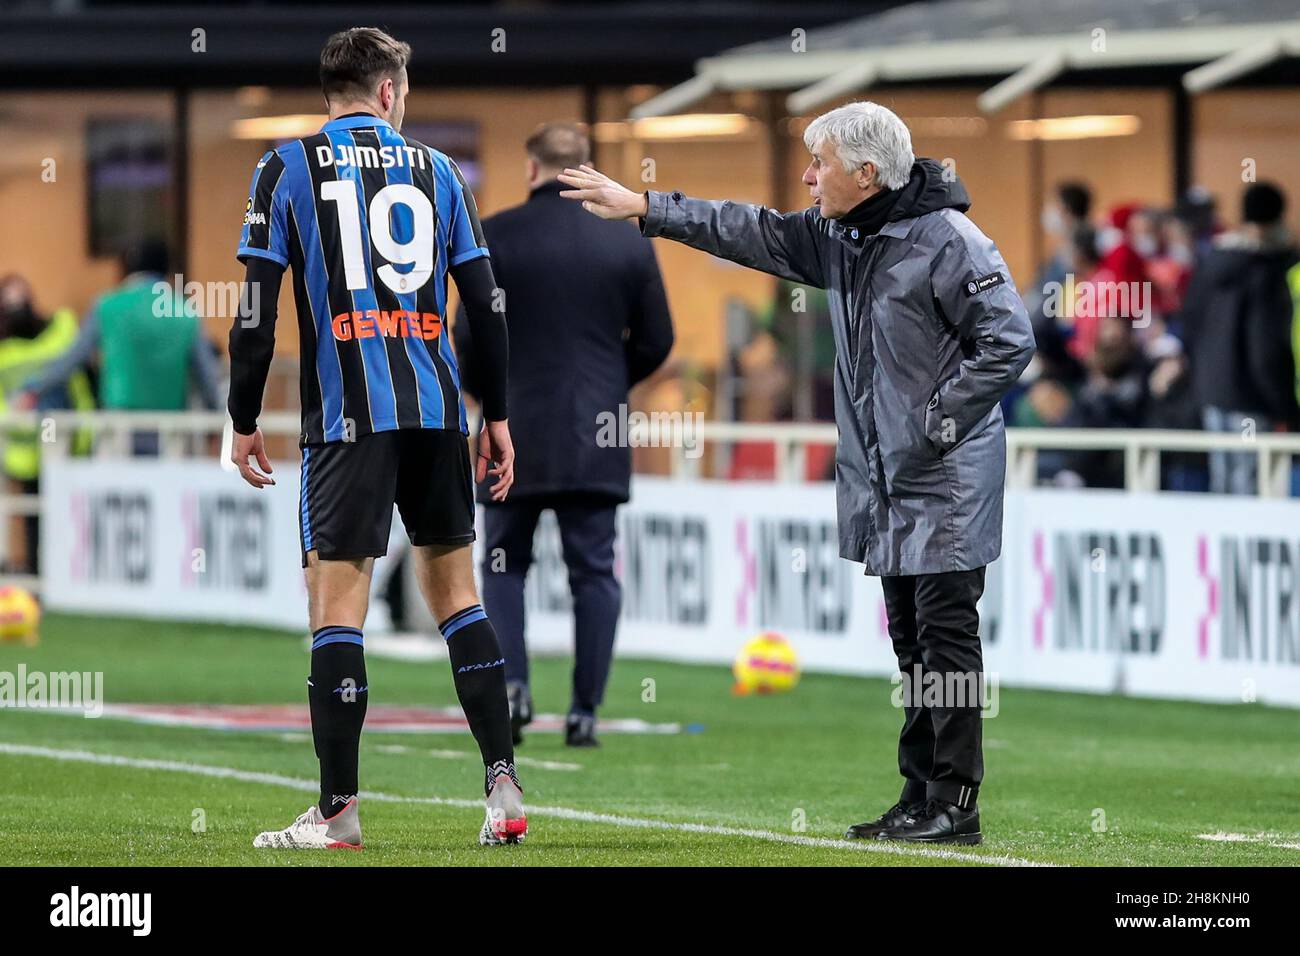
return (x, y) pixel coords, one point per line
(929, 335)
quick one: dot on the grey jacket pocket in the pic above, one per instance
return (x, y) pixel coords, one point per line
(934, 420)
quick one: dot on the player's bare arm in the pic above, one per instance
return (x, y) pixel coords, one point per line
(496, 457)
(244, 451)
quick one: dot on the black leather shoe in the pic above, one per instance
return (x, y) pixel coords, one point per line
(580, 731)
(521, 710)
(892, 817)
(937, 822)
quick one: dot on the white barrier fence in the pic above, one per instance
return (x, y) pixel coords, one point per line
(180, 433)
(1142, 449)
(1167, 595)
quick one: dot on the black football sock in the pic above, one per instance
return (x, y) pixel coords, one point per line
(337, 694)
(478, 667)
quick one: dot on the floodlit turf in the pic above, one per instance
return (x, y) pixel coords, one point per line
(1060, 767)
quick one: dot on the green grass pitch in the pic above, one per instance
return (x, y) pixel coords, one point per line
(1071, 779)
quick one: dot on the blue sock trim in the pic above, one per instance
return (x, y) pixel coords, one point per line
(336, 634)
(461, 619)
(460, 613)
(304, 512)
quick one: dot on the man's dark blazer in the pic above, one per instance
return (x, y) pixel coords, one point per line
(588, 319)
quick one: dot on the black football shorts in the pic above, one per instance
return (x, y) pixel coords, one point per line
(345, 509)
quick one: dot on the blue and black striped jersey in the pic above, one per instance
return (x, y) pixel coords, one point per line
(370, 222)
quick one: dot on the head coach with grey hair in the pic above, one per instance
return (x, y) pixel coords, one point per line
(587, 320)
(929, 334)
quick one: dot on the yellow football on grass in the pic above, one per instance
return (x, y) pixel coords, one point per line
(765, 665)
(20, 615)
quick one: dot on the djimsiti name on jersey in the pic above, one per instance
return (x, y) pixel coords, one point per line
(370, 157)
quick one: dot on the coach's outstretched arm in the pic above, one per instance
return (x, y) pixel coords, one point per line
(783, 244)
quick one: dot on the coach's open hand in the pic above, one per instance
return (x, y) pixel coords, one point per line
(601, 195)
(246, 446)
(494, 446)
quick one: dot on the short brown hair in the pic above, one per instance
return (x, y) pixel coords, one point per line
(559, 145)
(354, 61)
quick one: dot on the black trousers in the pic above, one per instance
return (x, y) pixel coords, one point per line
(587, 539)
(934, 627)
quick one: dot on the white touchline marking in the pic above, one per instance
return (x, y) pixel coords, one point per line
(1272, 839)
(465, 755)
(157, 715)
(1221, 837)
(563, 813)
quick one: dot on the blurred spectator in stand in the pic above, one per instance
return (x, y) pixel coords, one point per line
(1044, 394)
(798, 319)
(1293, 281)
(151, 346)
(1115, 287)
(1076, 306)
(768, 381)
(1171, 403)
(29, 342)
(1171, 269)
(1046, 403)
(1142, 232)
(1196, 208)
(1237, 326)
(1064, 214)
(1114, 396)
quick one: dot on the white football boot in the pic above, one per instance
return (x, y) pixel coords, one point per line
(312, 831)
(505, 821)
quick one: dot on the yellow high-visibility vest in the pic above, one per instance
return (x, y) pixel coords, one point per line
(20, 361)
(1293, 280)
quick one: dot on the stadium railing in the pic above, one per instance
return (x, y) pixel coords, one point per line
(1142, 449)
(182, 434)
(195, 434)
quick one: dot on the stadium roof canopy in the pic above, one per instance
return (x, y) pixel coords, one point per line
(46, 44)
(1022, 45)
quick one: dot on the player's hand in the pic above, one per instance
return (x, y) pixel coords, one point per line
(496, 449)
(246, 446)
(602, 196)
(24, 401)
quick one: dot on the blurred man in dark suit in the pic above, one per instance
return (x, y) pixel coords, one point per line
(587, 320)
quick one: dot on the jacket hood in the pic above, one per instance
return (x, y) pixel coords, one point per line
(930, 187)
